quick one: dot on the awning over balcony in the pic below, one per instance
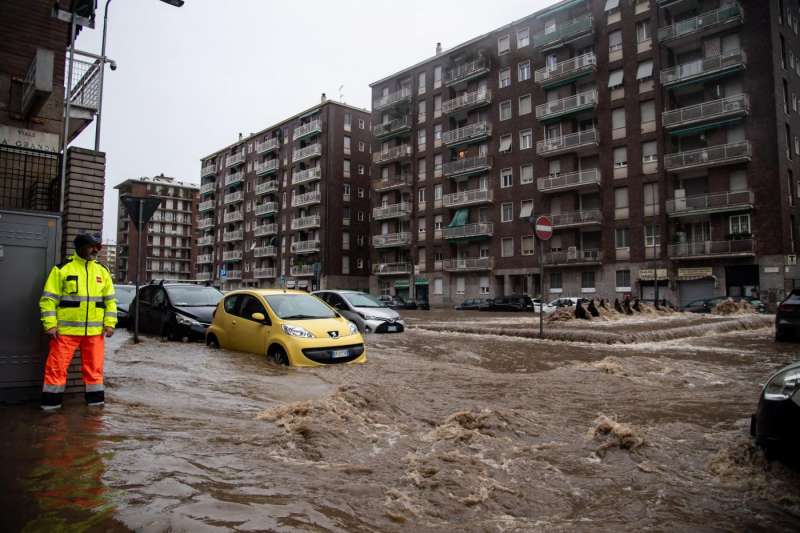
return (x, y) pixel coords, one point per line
(694, 130)
(459, 219)
(403, 283)
(612, 4)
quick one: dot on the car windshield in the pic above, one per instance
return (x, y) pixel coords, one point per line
(124, 293)
(194, 296)
(358, 299)
(298, 307)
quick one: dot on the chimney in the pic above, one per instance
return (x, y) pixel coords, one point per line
(438, 48)
(240, 135)
(323, 98)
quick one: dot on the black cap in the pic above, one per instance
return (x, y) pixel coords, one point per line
(86, 239)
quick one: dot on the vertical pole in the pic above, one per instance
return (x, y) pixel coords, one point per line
(68, 98)
(655, 265)
(541, 288)
(138, 272)
(102, 72)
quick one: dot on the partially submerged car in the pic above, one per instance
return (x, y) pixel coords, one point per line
(177, 311)
(787, 318)
(124, 295)
(364, 310)
(776, 423)
(513, 303)
(471, 304)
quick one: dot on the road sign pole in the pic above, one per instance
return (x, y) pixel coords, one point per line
(138, 274)
(541, 289)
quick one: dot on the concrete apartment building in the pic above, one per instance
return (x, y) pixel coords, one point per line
(289, 203)
(660, 136)
(167, 238)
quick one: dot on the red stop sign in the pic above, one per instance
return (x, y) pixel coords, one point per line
(544, 228)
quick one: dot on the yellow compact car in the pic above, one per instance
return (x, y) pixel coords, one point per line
(290, 327)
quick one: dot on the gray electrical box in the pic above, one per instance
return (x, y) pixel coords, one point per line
(28, 250)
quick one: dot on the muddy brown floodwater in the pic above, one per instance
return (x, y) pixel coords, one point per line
(441, 430)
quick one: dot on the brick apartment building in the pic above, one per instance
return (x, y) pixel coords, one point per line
(108, 256)
(290, 202)
(167, 238)
(660, 136)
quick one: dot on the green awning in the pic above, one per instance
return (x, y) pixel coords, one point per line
(460, 218)
(403, 283)
(700, 128)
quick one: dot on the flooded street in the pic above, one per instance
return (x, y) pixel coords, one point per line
(453, 425)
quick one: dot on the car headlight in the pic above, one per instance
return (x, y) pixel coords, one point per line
(783, 385)
(185, 320)
(297, 331)
(353, 328)
(380, 318)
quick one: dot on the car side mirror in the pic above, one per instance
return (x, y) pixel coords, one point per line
(259, 317)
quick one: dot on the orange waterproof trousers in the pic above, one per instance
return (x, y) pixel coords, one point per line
(62, 348)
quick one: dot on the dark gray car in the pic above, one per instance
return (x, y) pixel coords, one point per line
(364, 310)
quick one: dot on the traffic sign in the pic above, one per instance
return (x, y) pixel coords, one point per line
(223, 273)
(544, 228)
(140, 209)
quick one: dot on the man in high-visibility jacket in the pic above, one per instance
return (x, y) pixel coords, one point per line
(78, 307)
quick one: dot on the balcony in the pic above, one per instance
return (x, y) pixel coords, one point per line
(207, 240)
(310, 128)
(313, 221)
(467, 101)
(301, 270)
(315, 150)
(233, 179)
(304, 176)
(266, 187)
(234, 274)
(567, 106)
(564, 32)
(402, 209)
(267, 208)
(389, 240)
(711, 114)
(204, 223)
(573, 256)
(391, 154)
(393, 182)
(305, 247)
(267, 167)
(263, 230)
(724, 154)
(464, 198)
(582, 179)
(467, 165)
(208, 170)
(574, 142)
(232, 255)
(269, 145)
(264, 273)
(265, 251)
(576, 219)
(703, 24)
(383, 102)
(208, 188)
(706, 249)
(467, 231)
(391, 269)
(205, 259)
(471, 264)
(309, 198)
(703, 70)
(391, 128)
(208, 205)
(203, 276)
(233, 197)
(703, 204)
(233, 216)
(233, 236)
(470, 133)
(235, 159)
(467, 71)
(566, 71)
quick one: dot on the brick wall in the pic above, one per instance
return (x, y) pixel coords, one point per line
(83, 199)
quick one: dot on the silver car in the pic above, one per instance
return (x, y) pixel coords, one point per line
(364, 310)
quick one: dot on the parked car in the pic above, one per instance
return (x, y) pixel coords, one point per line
(567, 301)
(124, 295)
(537, 303)
(697, 306)
(290, 327)
(787, 318)
(517, 302)
(177, 311)
(364, 310)
(397, 302)
(776, 423)
(471, 304)
(708, 304)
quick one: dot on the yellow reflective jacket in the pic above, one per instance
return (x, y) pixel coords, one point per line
(78, 298)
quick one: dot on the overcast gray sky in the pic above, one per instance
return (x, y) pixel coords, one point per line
(191, 78)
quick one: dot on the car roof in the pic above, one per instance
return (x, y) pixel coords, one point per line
(266, 292)
(340, 291)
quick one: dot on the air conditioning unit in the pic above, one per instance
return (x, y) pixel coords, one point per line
(572, 253)
(791, 259)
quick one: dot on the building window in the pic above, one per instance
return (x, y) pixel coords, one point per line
(421, 111)
(525, 139)
(505, 143)
(421, 225)
(505, 77)
(526, 174)
(650, 193)
(524, 71)
(346, 192)
(739, 224)
(555, 280)
(525, 104)
(623, 280)
(506, 178)
(421, 169)
(615, 45)
(652, 236)
(437, 106)
(504, 44)
(437, 135)
(362, 192)
(421, 83)
(348, 122)
(642, 31)
(437, 191)
(618, 122)
(528, 245)
(621, 238)
(437, 223)
(525, 209)
(362, 146)
(621, 203)
(437, 286)
(347, 142)
(361, 216)
(421, 195)
(615, 79)
(345, 264)
(647, 112)
(437, 77)
(346, 168)
(620, 157)
(484, 285)
(649, 152)
(421, 140)
(507, 212)
(587, 280)
(507, 247)
(361, 124)
(437, 166)
(523, 37)
(505, 110)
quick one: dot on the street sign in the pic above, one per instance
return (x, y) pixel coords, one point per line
(544, 228)
(223, 273)
(148, 207)
(282, 281)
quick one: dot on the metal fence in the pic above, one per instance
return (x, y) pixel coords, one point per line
(29, 179)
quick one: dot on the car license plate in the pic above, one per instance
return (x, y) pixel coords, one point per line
(338, 354)
(391, 328)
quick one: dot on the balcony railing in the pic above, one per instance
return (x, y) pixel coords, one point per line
(315, 150)
(207, 188)
(572, 256)
(208, 170)
(394, 182)
(234, 274)
(475, 196)
(577, 218)
(305, 247)
(267, 167)
(467, 165)
(723, 154)
(477, 229)
(233, 179)
(266, 208)
(266, 187)
(301, 270)
(309, 174)
(467, 101)
(392, 127)
(233, 216)
(313, 197)
(466, 71)
(391, 154)
(268, 146)
(467, 264)
(205, 259)
(391, 239)
(401, 209)
(208, 240)
(231, 236)
(204, 223)
(469, 133)
(232, 255)
(731, 106)
(710, 203)
(389, 269)
(265, 229)
(315, 126)
(567, 143)
(313, 221)
(686, 250)
(570, 180)
(382, 102)
(233, 197)
(264, 272)
(566, 70)
(265, 251)
(235, 159)
(564, 31)
(564, 106)
(700, 23)
(701, 69)
(208, 205)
